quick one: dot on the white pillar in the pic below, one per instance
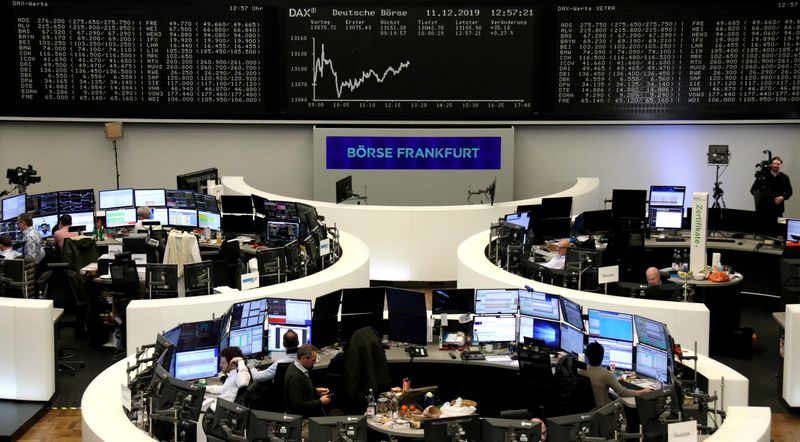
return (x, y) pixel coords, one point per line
(698, 226)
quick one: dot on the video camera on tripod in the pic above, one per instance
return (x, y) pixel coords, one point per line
(762, 171)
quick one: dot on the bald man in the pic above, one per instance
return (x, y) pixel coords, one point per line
(557, 262)
(653, 276)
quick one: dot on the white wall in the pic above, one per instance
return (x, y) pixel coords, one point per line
(279, 159)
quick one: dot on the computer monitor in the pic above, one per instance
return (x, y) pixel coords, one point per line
(259, 204)
(207, 203)
(572, 339)
(628, 203)
(567, 428)
(229, 419)
(593, 221)
(616, 351)
(197, 181)
(289, 311)
(72, 201)
(652, 407)
(792, 233)
(559, 207)
(497, 429)
(120, 217)
(232, 224)
(652, 333)
(248, 313)
(667, 196)
(308, 215)
(548, 229)
(438, 430)
(149, 197)
(520, 219)
(494, 328)
(539, 304)
(159, 214)
(277, 330)
(266, 426)
(249, 339)
(182, 217)
(608, 420)
(338, 428)
(42, 204)
(452, 301)
(212, 220)
(324, 319)
(83, 219)
(281, 210)
(612, 325)
(197, 335)
(294, 258)
(496, 301)
(173, 335)
(547, 331)
(10, 229)
(282, 231)
(180, 199)
(170, 392)
(666, 218)
(573, 313)
(713, 217)
(197, 364)
(408, 317)
(312, 250)
(363, 300)
(239, 204)
(344, 189)
(652, 362)
(115, 198)
(46, 224)
(14, 206)
(737, 220)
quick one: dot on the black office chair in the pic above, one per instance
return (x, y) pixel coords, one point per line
(228, 265)
(161, 280)
(56, 285)
(18, 278)
(124, 289)
(537, 380)
(271, 266)
(275, 400)
(198, 278)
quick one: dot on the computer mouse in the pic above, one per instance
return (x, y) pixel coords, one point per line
(452, 354)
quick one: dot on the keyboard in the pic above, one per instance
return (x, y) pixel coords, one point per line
(473, 356)
(671, 239)
(720, 239)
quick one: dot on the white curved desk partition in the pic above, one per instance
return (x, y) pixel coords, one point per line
(27, 341)
(418, 243)
(751, 424)
(688, 322)
(146, 318)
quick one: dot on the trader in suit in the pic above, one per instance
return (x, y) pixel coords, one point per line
(300, 396)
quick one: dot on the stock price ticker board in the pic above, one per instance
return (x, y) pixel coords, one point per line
(400, 60)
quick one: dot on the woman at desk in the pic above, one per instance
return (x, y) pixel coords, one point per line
(603, 379)
(236, 375)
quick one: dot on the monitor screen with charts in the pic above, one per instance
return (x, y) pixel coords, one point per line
(652, 362)
(112, 199)
(276, 332)
(180, 199)
(498, 301)
(494, 328)
(249, 339)
(652, 333)
(538, 304)
(206, 203)
(612, 325)
(14, 206)
(666, 218)
(248, 313)
(196, 364)
(289, 311)
(120, 217)
(211, 220)
(282, 231)
(667, 196)
(618, 352)
(43, 203)
(72, 201)
(572, 313)
(149, 197)
(182, 217)
(571, 339)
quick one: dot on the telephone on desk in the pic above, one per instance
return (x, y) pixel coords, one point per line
(473, 352)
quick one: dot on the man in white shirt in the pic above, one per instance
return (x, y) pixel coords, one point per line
(144, 214)
(290, 344)
(557, 262)
(33, 239)
(231, 364)
(6, 252)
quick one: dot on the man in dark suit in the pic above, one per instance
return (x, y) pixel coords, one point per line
(299, 392)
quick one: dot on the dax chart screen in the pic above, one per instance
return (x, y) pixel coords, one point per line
(418, 60)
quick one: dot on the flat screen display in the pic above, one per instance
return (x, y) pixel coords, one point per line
(792, 232)
(652, 362)
(571, 339)
(522, 219)
(83, 219)
(281, 210)
(72, 201)
(612, 325)
(196, 364)
(208, 219)
(282, 231)
(618, 352)
(453, 301)
(628, 203)
(180, 199)
(150, 197)
(496, 301)
(667, 196)
(111, 199)
(160, 214)
(277, 330)
(248, 313)
(494, 328)
(249, 339)
(572, 313)
(120, 217)
(182, 217)
(46, 225)
(547, 331)
(43, 203)
(666, 218)
(14, 206)
(289, 311)
(652, 333)
(538, 304)
(206, 202)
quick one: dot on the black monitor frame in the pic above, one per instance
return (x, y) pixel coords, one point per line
(329, 428)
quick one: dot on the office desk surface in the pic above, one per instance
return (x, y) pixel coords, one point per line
(736, 278)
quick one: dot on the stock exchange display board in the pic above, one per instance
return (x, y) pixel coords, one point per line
(300, 60)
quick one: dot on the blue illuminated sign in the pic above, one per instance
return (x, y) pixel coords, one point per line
(433, 153)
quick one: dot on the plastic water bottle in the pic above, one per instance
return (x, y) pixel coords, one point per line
(371, 404)
(675, 260)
